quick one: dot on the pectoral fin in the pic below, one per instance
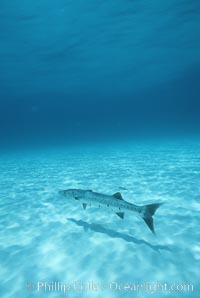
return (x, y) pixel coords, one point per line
(84, 206)
(120, 214)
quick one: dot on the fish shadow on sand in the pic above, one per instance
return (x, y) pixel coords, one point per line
(113, 234)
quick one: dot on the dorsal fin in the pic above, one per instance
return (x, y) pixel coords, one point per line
(118, 196)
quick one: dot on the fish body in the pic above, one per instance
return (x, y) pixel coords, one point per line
(114, 202)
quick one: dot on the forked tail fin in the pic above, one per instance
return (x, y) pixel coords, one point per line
(146, 212)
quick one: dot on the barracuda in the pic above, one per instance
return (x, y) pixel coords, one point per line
(114, 203)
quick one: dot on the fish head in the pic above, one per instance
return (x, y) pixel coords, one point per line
(70, 193)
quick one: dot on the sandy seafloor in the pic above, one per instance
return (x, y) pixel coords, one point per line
(44, 238)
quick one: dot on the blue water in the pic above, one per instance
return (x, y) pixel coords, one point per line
(102, 69)
(100, 95)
